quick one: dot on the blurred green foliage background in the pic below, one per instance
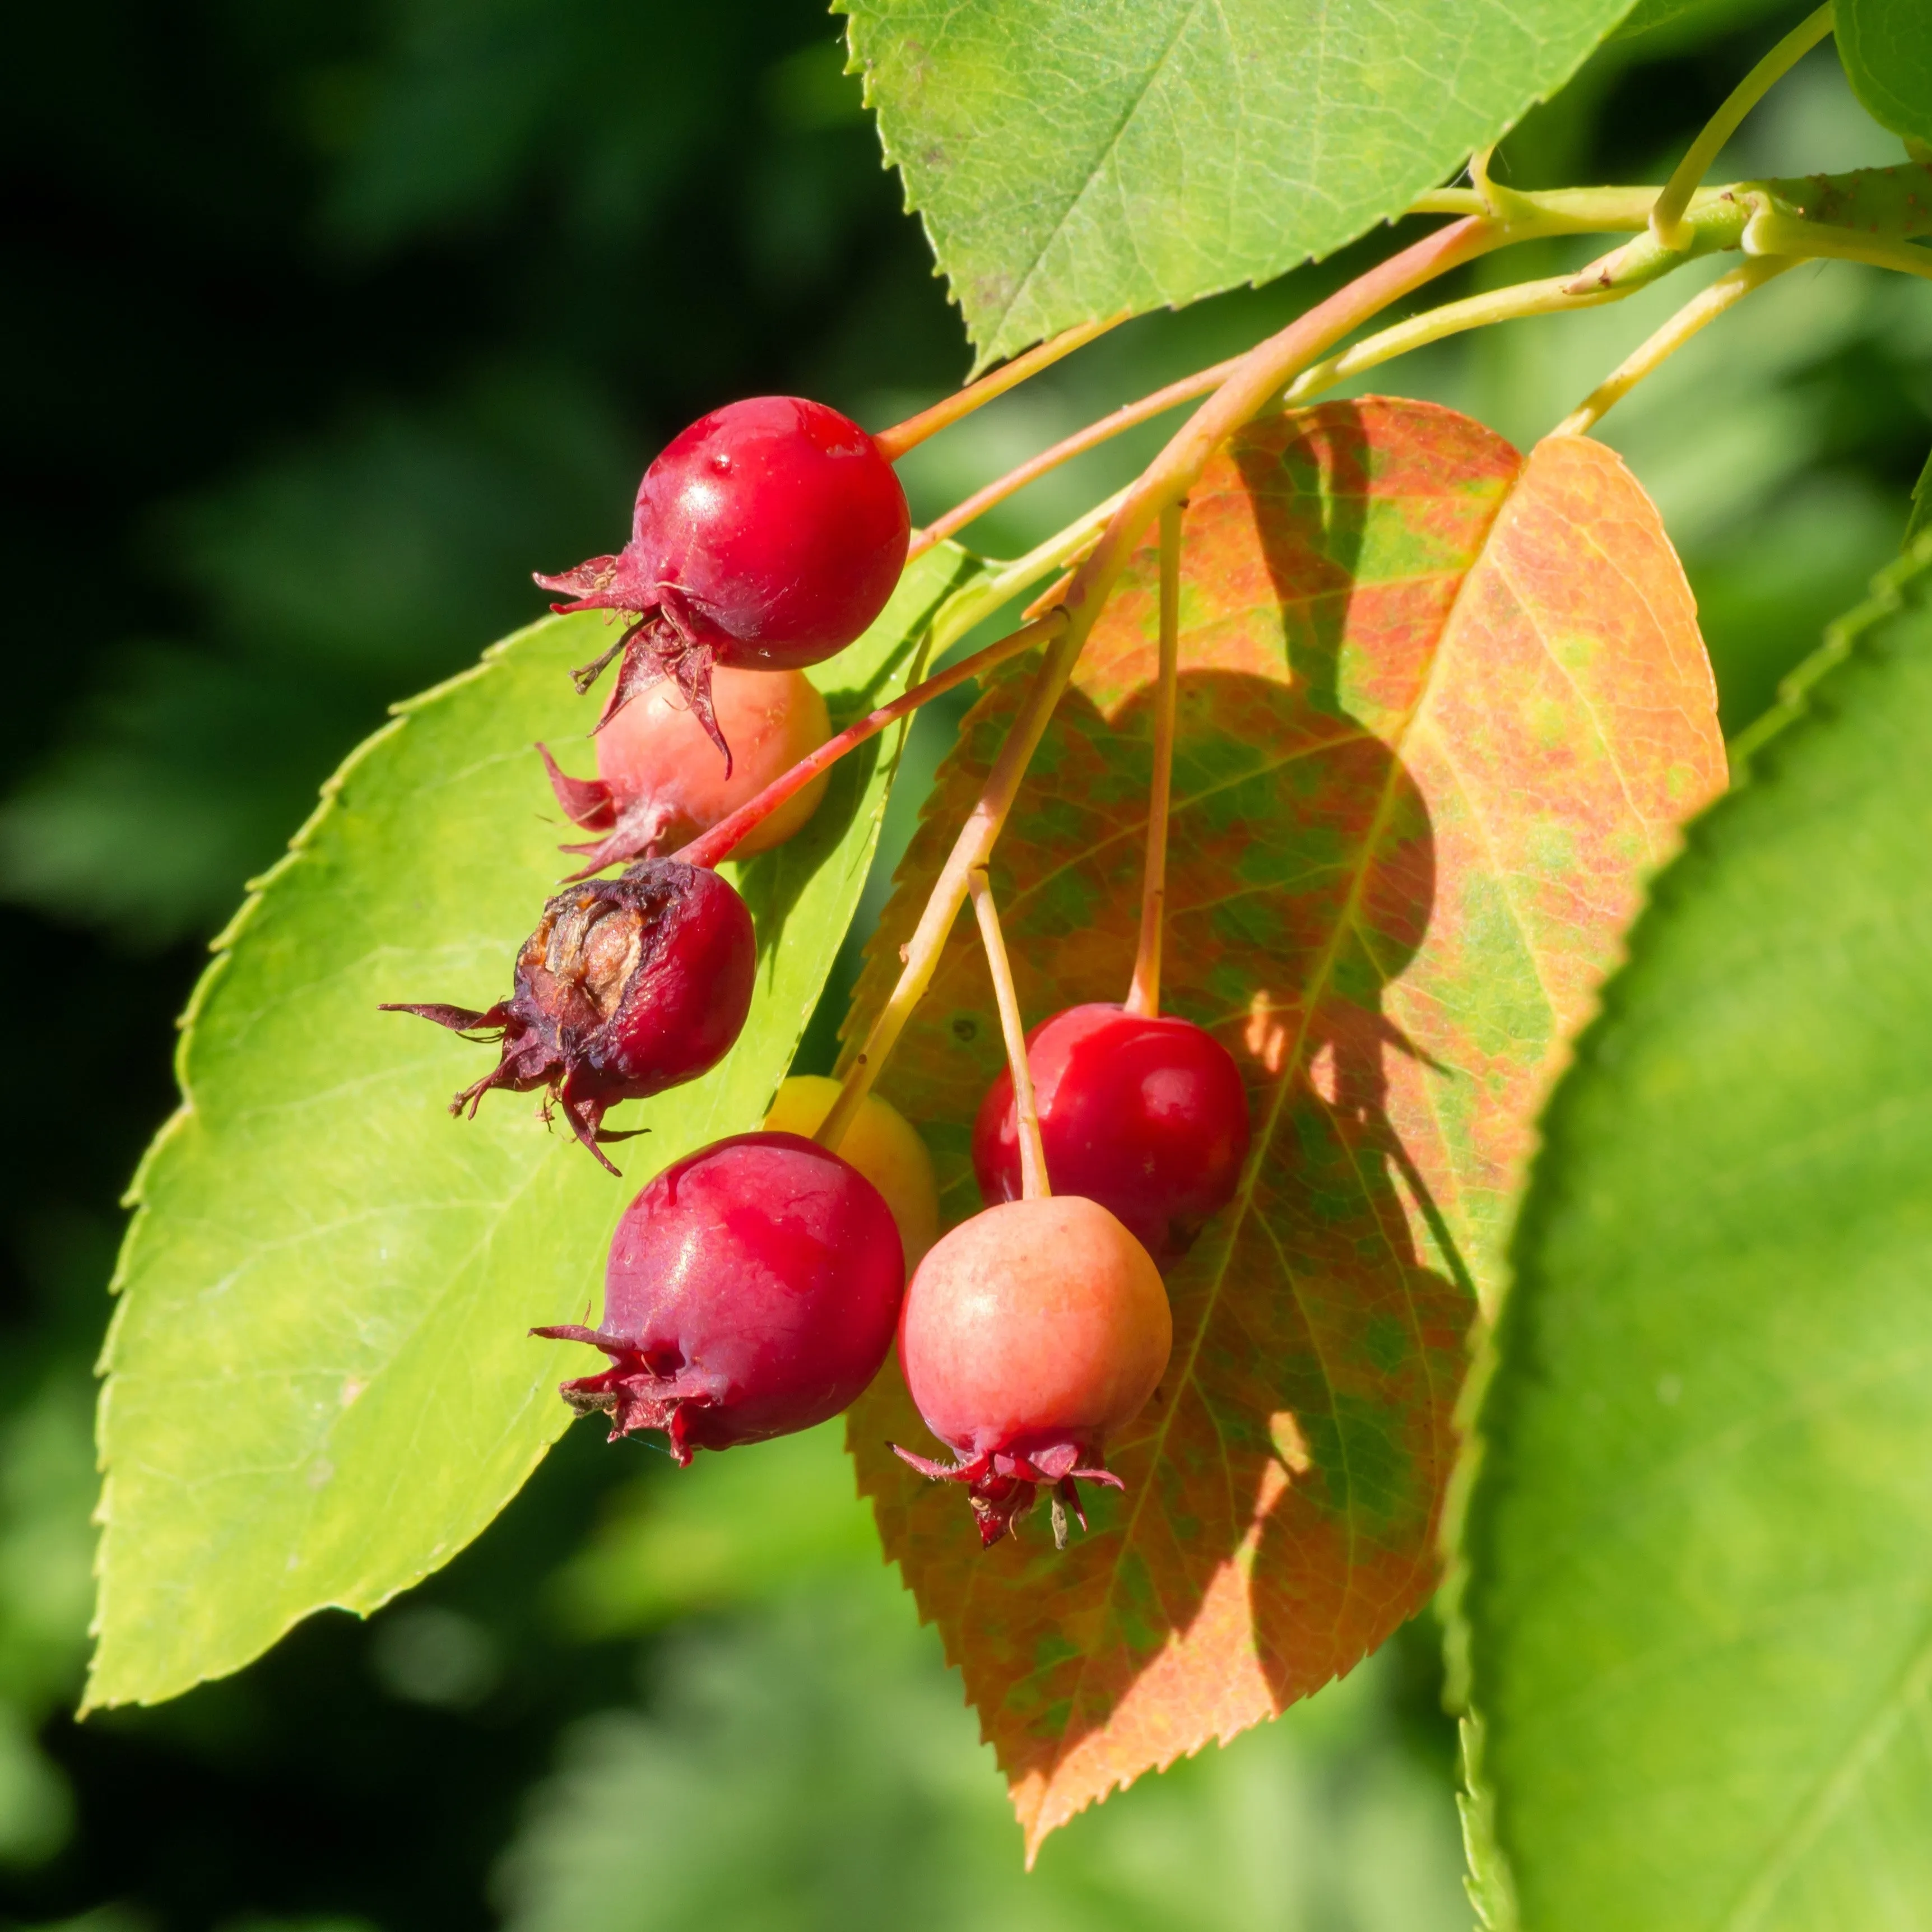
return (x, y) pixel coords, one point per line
(328, 324)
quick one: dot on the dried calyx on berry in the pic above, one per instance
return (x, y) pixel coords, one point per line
(1030, 1333)
(628, 986)
(660, 782)
(768, 535)
(752, 1290)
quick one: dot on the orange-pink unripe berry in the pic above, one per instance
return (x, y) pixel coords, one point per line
(1031, 1334)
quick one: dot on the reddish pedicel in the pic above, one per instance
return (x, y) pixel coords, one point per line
(1030, 1333)
(628, 986)
(767, 536)
(1147, 1116)
(752, 1290)
(659, 782)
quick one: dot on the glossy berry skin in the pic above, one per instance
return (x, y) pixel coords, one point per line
(768, 535)
(1147, 1116)
(660, 782)
(1030, 1333)
(628, 986)
(752, 1290)
(881, 1143)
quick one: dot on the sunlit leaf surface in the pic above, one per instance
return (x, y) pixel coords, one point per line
(321, 1384)
(1441, 709)
(1073, 158)
(1700, 1609)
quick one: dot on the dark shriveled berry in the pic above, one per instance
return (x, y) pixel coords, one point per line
(768, 535)
(628, 986)
(1146, 1115)
(753, 1289)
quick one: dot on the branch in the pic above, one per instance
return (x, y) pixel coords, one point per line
(1255, 378)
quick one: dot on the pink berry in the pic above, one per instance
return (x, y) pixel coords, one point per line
(752, 1290)
(768, 535)
(628, 986)
(1147, 1116)
(1030, 1333)
(660, 784)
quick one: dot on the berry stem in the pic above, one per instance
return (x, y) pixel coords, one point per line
(713, 847)
(1143, 994)
(1666, 214)
(894, 442)
(1701, 309)
(1091, 437)
(1255, 379)
(1033, 1185)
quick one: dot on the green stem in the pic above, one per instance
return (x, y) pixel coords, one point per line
(1772, 232)
(1895, 201)
(1698, 313)
(1554, 296)
(1666, 215)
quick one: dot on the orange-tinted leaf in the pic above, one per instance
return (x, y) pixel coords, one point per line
(1441, 708)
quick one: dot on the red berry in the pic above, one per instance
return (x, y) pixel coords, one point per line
(768, 535)
(628, 986)
(659, 783)
(1029, 1334)
(1147, 1116)
(752, 1291)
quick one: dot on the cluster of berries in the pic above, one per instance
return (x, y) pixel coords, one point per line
(755, 1287)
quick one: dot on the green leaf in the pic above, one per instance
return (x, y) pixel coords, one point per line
(1074, 158)
(1920, 518)
(1680, 22)
(1886, 46)
(320, 1385)
(1698, 1595)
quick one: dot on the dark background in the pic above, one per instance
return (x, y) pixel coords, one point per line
(326, 325)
